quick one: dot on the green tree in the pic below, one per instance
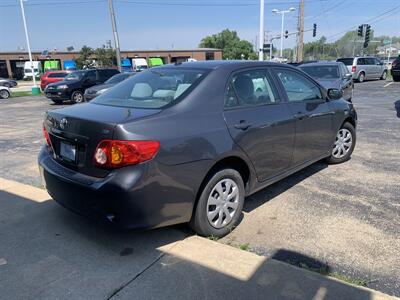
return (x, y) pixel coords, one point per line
(84, 57)
(105, 57)
(231, 45)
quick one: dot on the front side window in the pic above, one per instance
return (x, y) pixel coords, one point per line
(91, 75)
(249, 88)
(298, 87)
(155, 88)
(57, 75)
(74, 76)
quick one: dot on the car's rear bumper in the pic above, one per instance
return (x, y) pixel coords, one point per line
(128, 197)
(395, 72)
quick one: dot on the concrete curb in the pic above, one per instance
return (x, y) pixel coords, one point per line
(218, 265)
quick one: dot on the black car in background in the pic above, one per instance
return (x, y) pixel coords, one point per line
(74, 84)
(332, 75)
(188, 142)
(395, 70)
(97, 90)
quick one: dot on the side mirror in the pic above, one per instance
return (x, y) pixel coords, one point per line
(334, 94)
(348, 76)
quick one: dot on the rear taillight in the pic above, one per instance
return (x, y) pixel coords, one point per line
(394, 63)
(353, 69)
(116, 154)
(46, 136)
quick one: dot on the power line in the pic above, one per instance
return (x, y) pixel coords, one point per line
(373, 20)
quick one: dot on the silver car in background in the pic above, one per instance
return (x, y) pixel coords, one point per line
(365, 68)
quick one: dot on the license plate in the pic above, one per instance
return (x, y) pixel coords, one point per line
(68, 151)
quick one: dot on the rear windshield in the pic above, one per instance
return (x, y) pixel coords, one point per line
(321, 72)
(57, 75)
(346, 61)
(154, 88)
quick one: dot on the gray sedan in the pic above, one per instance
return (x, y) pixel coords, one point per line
(332, 75)
(7, 82)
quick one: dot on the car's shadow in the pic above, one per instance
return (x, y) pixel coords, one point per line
(274, 190)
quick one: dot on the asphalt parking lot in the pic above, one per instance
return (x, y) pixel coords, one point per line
(342, 218)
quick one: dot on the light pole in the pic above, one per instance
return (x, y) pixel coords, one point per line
(261, 33)
(282, 12)
(115, 32)
(35, 89)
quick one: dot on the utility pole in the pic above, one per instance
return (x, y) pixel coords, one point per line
(300, 29)
(35, 89)
(261, 32)
(114, 28)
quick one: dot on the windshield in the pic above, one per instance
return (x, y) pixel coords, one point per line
(322, 72)
(117, 78)
(346, 61)
(154, 88)
(74, 76)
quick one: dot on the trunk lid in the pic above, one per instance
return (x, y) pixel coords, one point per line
(75, 132)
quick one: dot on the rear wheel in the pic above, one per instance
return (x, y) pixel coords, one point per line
(384, 75)
(361, 77)
(220, 204)
(344, 144)
(4, 94)
(77, 97)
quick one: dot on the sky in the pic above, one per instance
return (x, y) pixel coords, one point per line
(179, 24)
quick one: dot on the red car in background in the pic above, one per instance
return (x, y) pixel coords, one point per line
(52, 76)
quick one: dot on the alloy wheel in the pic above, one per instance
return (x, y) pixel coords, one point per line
(222, 203)
(343, 143)
(4, 94)
(78, 97)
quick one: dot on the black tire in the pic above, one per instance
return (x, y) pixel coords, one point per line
(332, 159)
(384, 75)
(4, 94)
(396, 78)
(200, 222)
(77, 97)
(361, 77)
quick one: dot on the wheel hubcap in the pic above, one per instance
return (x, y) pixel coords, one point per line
(222, 203)
(3, 94)
(343, 143)
(78, 97)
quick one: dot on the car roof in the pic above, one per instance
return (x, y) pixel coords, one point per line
(322, 63)
(217, 64)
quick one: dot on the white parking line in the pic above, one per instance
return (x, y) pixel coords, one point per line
(388, 84)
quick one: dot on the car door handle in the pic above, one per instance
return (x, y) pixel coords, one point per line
(243, 125)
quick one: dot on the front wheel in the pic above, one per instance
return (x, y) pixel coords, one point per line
(77, 97)
(4, 94)
(220, 204)
(344, 144)
(384, 75)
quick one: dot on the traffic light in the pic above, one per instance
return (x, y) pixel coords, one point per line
(314, 31)
(367, 35)
(286, 34)
(360, 30)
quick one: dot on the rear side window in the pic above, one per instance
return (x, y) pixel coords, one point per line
(297, 86)
(250, 88)
(361, 61)
(155, 88)
(57, 75)
(346, 61)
